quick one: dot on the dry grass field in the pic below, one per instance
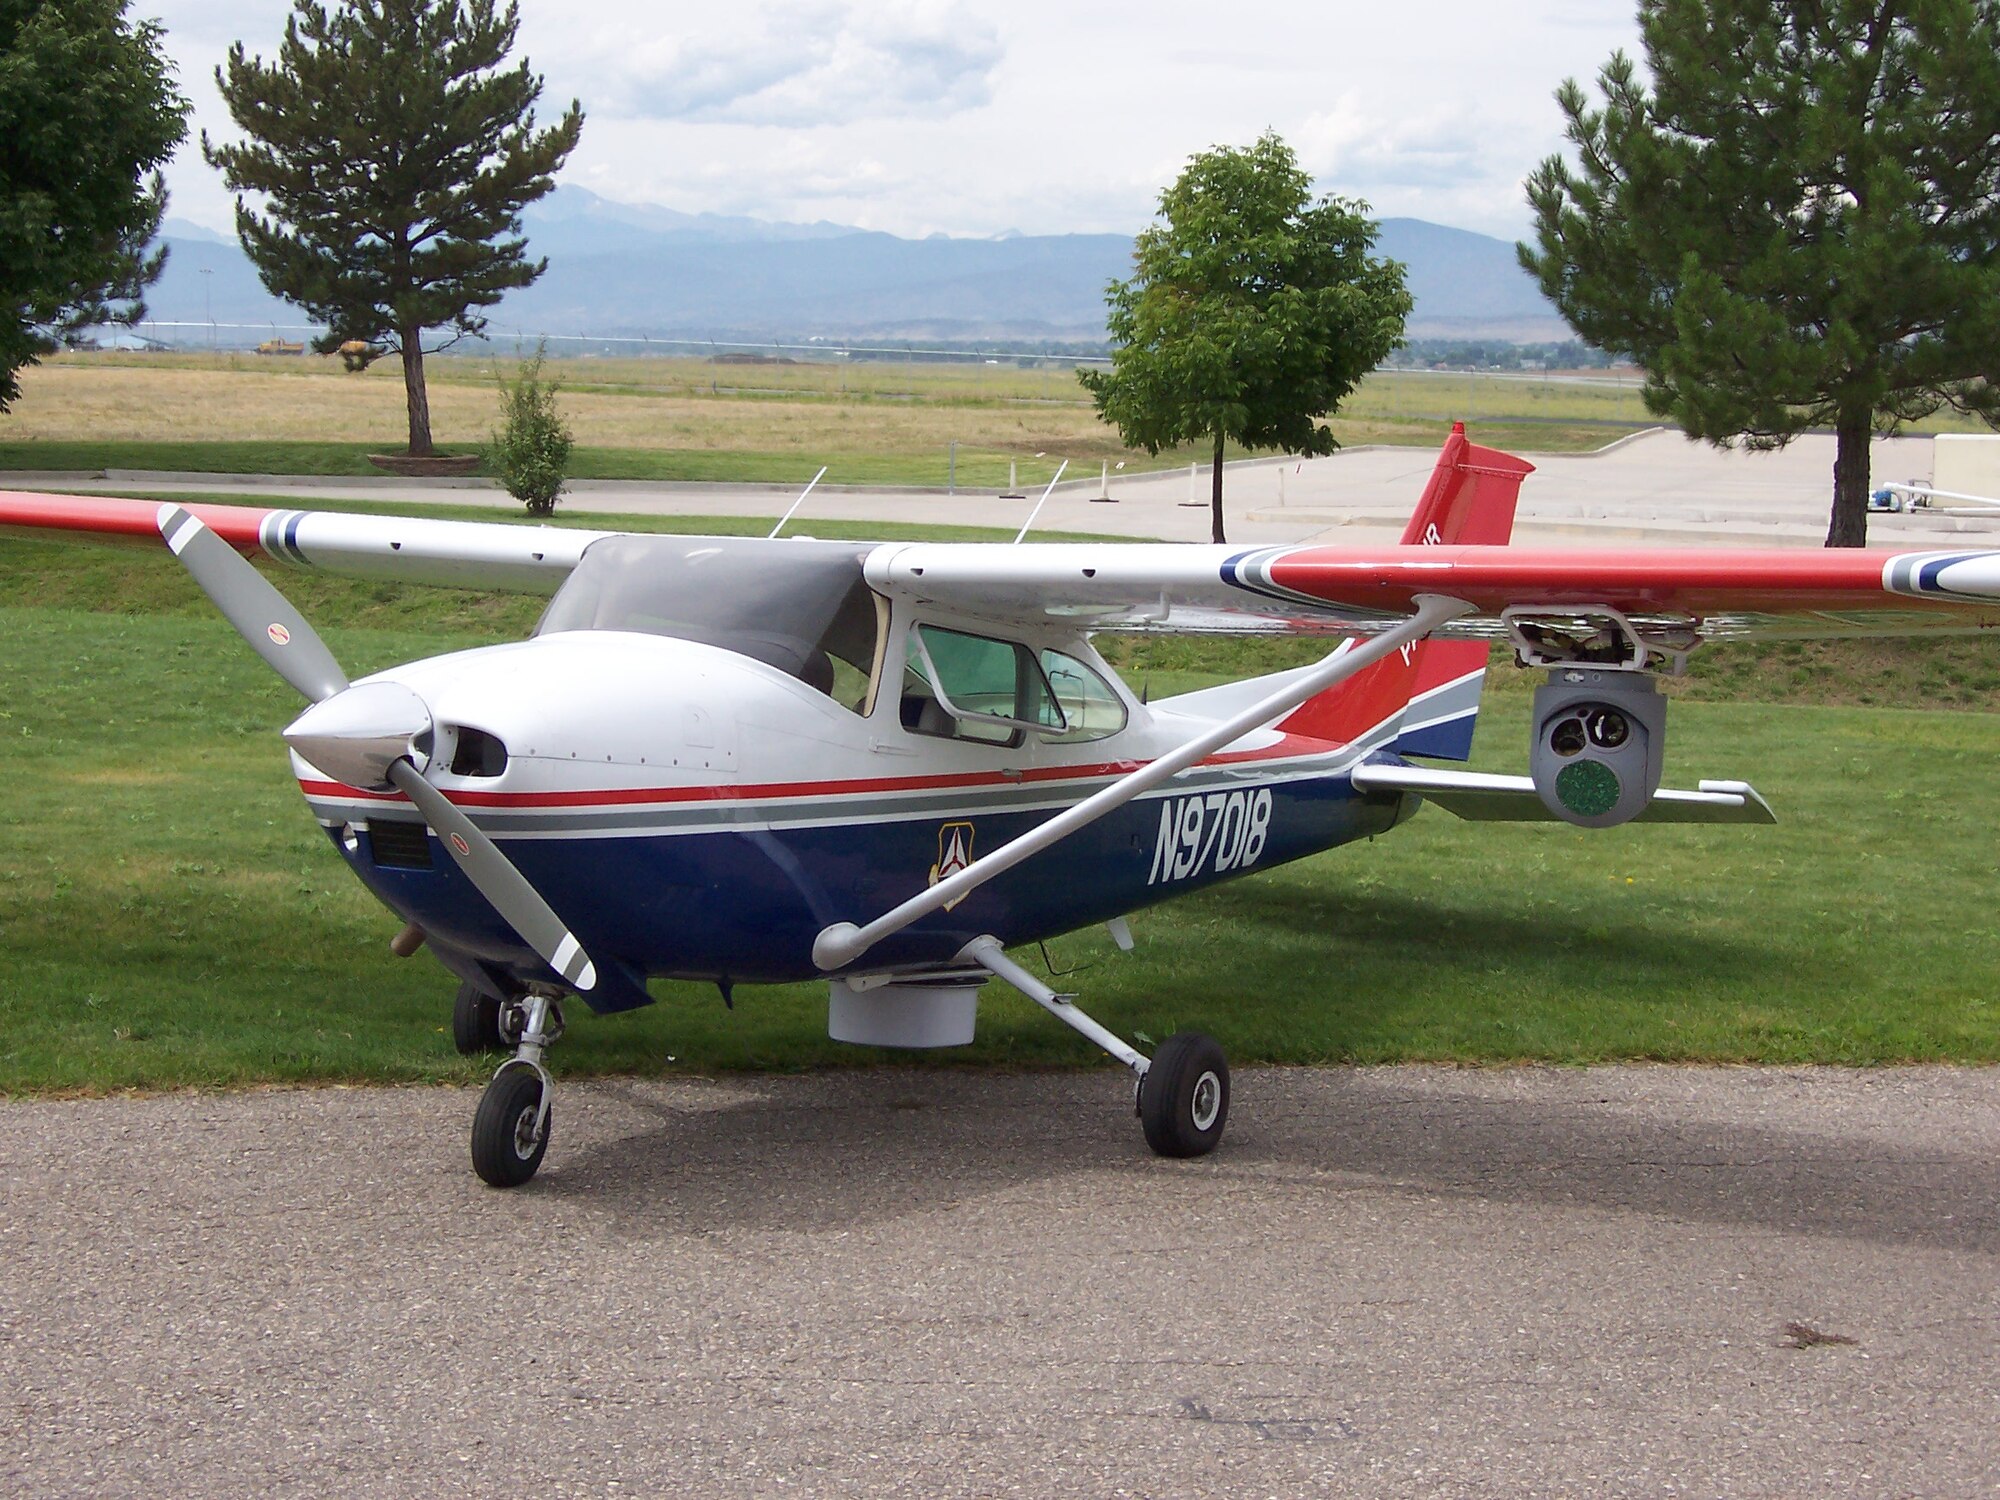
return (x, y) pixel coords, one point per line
(695, 418)
(681, 404)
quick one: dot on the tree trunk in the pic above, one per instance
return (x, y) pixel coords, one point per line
(413, 390)
(1215, 495)
(1849, 527)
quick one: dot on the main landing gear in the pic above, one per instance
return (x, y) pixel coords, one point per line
(1183, 1092)
(510, 1132)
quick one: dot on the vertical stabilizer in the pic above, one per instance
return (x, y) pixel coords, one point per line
(1424, 701)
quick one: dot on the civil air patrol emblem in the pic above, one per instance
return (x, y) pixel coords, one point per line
(954, 854)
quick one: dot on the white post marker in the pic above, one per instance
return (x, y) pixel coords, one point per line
(841, 943)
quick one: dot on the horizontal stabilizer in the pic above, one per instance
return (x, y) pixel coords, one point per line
(1483, 798)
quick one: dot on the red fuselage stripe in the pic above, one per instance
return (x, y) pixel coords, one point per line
(1290, 747)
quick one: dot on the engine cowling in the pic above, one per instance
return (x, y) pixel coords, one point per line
(1599, 746)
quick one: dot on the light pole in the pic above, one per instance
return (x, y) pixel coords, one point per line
(207, 311)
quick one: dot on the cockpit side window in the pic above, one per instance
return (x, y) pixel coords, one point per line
(975, 687)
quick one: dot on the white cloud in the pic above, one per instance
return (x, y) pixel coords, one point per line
(1047, 116)
(793, 64)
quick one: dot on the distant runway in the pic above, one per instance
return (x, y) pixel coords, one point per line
(1655, 489)
(1390, 1282)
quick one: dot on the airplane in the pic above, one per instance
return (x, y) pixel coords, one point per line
(753, 761)
(1920, 496)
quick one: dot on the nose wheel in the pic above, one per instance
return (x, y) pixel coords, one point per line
(510, 1131)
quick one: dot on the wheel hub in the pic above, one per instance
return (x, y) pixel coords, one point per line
(1207, 1101)
(526, 1136)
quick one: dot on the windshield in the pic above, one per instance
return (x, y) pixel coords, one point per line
(802, 607)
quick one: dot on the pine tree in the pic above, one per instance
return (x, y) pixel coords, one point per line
(1252, 312)
(1797, 226)
(393, 152)
(88, 115)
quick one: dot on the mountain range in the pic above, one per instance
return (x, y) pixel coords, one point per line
(636, 271)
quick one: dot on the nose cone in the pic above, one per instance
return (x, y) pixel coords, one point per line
(355, 735)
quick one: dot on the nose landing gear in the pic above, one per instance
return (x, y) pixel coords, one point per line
(510, 1131)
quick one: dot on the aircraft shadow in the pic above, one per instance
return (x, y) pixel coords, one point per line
(861, 1148)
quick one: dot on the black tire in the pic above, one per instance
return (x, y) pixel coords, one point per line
(504, 1153)
(475, 1021)
(1184, 1097)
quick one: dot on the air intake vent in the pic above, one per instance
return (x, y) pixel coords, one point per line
(400, 845)
(478, 754)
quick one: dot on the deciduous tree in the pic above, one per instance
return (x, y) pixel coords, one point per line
(1251, 313)
(1796, 225)
(391, 149)
(88, 116)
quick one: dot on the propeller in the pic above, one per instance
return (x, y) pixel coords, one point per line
(497, 879)
(363, 734)
(262, 616)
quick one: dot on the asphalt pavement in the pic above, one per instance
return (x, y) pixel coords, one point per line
(1653, 489)
(1409, 1281)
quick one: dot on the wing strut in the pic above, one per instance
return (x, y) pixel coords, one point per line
(842, 943)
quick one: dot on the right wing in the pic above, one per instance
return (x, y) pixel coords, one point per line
(500, 555)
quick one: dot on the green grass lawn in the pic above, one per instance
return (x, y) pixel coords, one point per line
(170, 915)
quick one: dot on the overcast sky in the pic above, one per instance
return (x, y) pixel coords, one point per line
(972, 117)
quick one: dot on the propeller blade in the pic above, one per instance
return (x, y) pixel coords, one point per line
(262, 616)
(497, 879)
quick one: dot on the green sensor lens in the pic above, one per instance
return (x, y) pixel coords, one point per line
(1588, 788)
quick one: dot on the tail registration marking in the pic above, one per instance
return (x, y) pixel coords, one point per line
(1221, 831)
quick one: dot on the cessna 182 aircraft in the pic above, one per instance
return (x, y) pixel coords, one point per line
(754, 761)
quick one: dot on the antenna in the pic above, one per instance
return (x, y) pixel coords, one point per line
(1041, 502)
(796, 503)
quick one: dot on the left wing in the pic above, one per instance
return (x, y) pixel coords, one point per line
(1479, 797)
(1722, 593)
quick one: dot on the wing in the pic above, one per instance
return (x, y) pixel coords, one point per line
(1715, 593)
(515, 558)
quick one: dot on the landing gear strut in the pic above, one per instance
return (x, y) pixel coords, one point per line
(1183, 1092)
(510, 1132)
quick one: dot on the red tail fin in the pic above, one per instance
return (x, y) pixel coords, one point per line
(1423, 700)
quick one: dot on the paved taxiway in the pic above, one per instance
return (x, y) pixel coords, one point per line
(1654, 489)
(1409, 1281)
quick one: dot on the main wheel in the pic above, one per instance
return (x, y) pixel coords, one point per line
(475, 1021)
(1184, 1097)
(506, 1148)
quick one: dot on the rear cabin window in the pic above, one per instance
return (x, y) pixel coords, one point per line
(1090, 705)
